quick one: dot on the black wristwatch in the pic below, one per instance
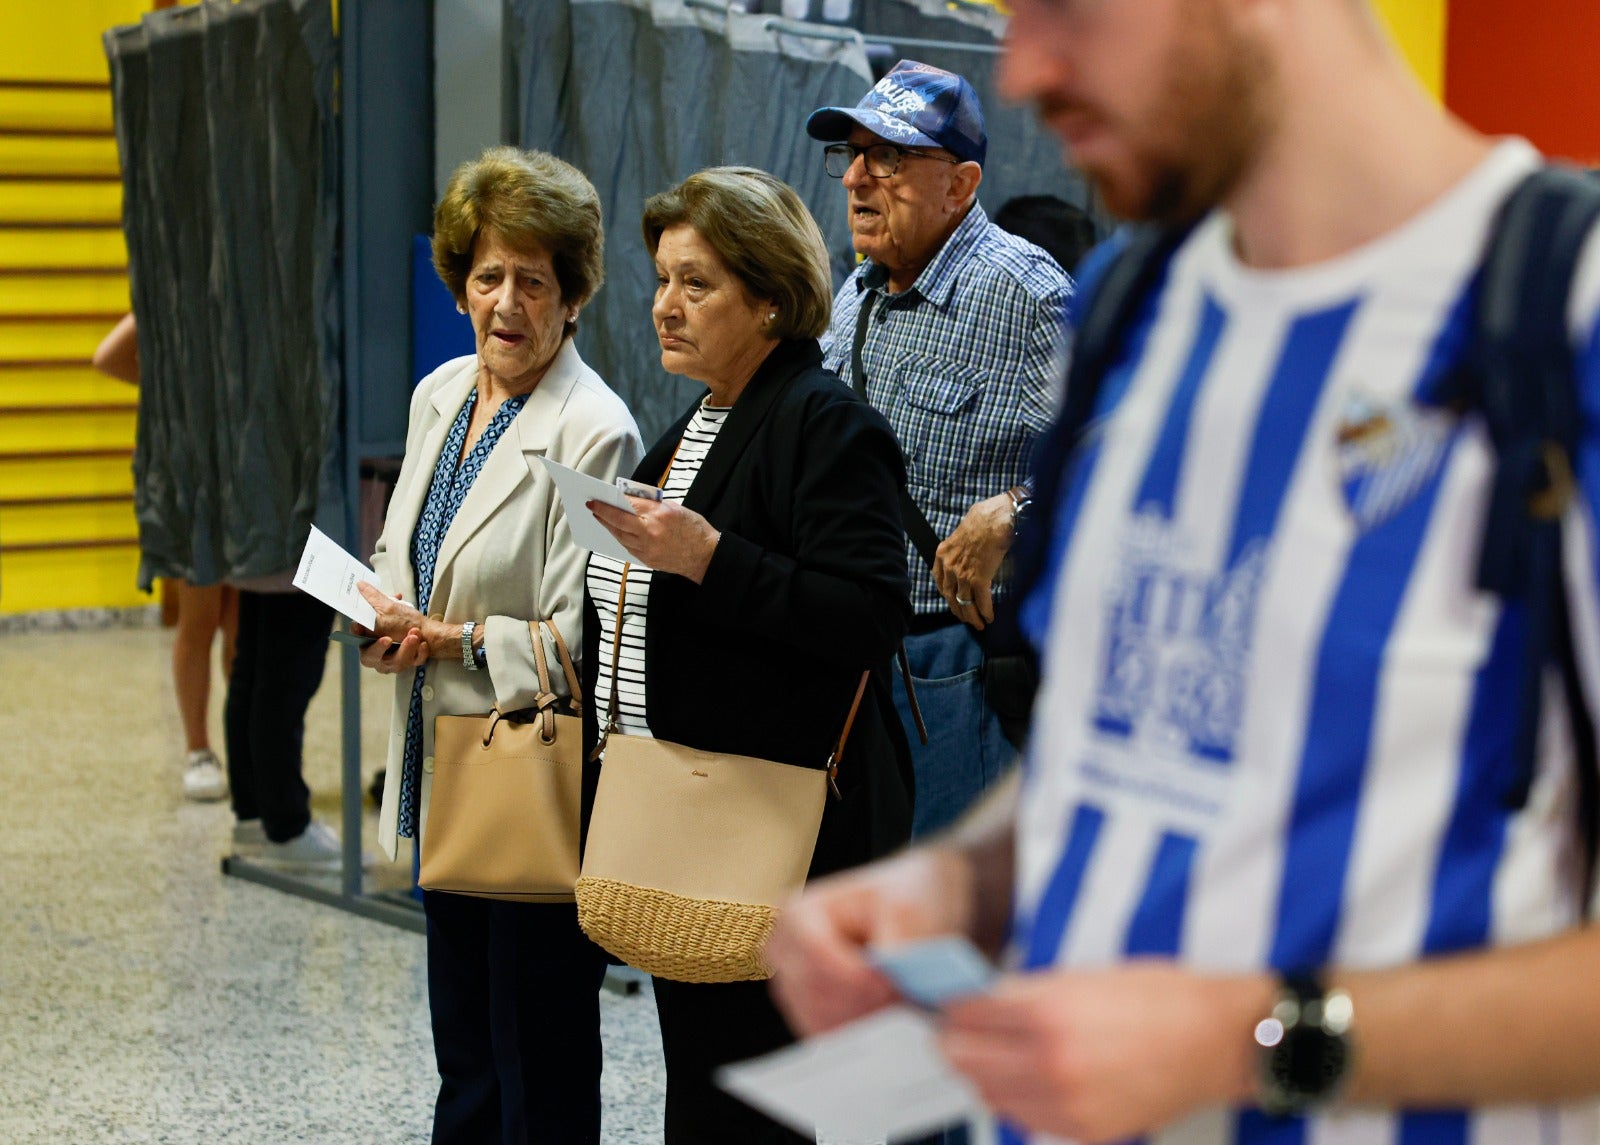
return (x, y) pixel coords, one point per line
(1021, 502)
(1306, 1046)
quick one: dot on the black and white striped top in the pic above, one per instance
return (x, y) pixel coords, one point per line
(605, 581)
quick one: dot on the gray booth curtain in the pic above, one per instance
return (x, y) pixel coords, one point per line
(640, 95)
(225, 124)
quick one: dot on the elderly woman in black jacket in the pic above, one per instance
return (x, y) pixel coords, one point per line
(768, 578)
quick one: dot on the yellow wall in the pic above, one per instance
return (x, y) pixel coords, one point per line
(60, 39)
(1419, 27)
(65, 431)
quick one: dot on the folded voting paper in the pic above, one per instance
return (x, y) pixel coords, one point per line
(576, 490)
(881, 1077)
(330, 574)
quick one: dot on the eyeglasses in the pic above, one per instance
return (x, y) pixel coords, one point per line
(882, 159)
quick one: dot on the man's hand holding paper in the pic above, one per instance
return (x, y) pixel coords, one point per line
(884, 1075)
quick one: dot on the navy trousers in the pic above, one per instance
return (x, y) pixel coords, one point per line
(514, 989)
(704, 1026)
(277, 668)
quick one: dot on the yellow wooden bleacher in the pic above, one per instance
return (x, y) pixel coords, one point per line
(68, 538)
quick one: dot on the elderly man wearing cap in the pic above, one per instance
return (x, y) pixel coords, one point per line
(951, 327)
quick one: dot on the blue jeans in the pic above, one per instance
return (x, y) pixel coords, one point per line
(966, 751)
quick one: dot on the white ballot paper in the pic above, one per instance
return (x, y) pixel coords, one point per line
(881, 1077)
(330, 574)
(578, 488)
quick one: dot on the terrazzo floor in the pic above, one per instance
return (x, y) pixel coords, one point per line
(144, 996)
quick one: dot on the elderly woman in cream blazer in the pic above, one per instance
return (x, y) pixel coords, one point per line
(474, 547)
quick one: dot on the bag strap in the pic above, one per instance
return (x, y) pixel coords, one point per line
(546, 700)
(611, 703)
(1520, 371)
(616, 632)
(1520, 375)
(574, 688)
(1113, 301)
(837, 754)
(616, 657)
(912, 519)
(544, 672)
(911, 692)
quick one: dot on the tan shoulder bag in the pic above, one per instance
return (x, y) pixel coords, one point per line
(503, 811)
(691, 853)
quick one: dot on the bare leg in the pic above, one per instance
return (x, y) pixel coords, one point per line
(199, 612)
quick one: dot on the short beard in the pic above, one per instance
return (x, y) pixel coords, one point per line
(1209, 123)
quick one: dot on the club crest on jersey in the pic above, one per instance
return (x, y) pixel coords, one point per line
(1387, 453)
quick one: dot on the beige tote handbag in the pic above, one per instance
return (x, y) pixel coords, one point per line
(503, 812)
(690, 853)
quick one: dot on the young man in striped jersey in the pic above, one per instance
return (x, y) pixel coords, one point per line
(1264, 882)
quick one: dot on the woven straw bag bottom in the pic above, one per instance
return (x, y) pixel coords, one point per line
(683, 939)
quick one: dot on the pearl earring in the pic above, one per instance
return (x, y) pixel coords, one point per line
(460, 309)
(773, 316)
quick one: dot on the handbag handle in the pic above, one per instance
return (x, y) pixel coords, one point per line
(574, 688)
(547, 695)
(546, 700)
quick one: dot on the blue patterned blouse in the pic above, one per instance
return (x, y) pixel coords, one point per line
(449, 488)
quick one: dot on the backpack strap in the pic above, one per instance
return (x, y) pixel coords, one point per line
(1114, 300)
(1520, 375)
(1520, 368)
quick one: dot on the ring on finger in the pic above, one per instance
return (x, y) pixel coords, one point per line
(963, 602)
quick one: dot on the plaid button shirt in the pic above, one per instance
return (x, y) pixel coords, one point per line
(965, 365)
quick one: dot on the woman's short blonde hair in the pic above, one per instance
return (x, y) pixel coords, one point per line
(761, 229)
(526, 198)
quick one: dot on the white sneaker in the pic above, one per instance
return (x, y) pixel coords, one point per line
(315, 850)
(203, 779)
(249, 838)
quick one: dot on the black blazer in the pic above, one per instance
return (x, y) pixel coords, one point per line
(807, 588)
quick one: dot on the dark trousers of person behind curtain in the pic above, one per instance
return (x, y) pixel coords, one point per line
(278, 660)
(706, 1026)
(514, 990)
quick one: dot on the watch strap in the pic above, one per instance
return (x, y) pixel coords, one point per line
(1021, 499)
(468, 660)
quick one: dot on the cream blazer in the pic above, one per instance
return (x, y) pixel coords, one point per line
(508, 556)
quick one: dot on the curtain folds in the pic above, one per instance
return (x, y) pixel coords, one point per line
(225, 125)
(639, 95)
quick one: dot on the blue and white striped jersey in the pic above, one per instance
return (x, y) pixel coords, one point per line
(1274, 726)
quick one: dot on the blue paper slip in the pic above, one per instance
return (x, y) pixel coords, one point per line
(937, 971)
(639, 489)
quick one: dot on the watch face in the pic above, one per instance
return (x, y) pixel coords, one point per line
(1307, 1065)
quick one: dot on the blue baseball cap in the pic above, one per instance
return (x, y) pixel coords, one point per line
(915, 105)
